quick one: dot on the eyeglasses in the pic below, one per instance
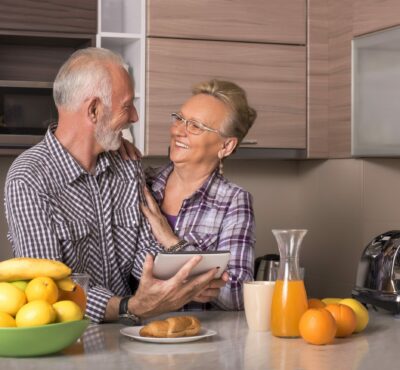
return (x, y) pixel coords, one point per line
(193, 127)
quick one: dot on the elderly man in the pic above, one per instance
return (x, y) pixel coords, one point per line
(68, 198)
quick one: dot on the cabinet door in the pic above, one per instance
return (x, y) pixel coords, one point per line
(77, 16)
(374, 15)
(273, 76)
(282, 21)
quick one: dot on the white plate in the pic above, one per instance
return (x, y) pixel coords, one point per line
(133, 332)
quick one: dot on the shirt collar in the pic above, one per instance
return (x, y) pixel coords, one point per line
(67, 167)
(160, 182)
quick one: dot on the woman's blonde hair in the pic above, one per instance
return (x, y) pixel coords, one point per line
(242, 115)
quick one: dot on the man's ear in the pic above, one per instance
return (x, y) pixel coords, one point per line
(228, 147)
(93, 110)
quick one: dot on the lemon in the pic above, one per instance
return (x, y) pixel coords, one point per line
(42, 288)
(11, 298)
(35, 313)
(21, 284)
(67, 311)
(331, 300)
(360, 311)
(6, 320)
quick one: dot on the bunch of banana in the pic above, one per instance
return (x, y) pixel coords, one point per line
(25, 268)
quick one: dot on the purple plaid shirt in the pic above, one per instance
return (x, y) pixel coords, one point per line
(218, 216)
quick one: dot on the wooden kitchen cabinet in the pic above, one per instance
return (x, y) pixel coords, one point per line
(76, 16)
(374, 15)
(274, 77)
(282, 21)
(36, 38)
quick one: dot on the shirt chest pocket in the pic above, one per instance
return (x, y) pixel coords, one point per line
(74, 239)
(126, 224)
(204, 241)
(72, 231)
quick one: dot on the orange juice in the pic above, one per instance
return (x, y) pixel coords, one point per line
(289, 302)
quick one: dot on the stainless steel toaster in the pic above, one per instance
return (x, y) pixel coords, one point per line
(378, 274)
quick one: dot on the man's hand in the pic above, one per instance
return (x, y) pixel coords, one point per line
(159, 224)
(129, 151)
(155, 297)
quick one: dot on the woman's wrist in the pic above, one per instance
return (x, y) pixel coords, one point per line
(170, 242)
(177, 246)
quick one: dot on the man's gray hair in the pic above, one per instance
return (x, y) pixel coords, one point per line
(85, 75)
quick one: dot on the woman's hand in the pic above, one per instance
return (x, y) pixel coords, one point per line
(212, 290)
(159, 224)
(127, 151)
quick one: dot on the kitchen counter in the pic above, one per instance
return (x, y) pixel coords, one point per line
(234, 347)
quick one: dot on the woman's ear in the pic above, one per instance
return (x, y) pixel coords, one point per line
(228, 147)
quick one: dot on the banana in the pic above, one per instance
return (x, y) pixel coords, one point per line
(66, 284)
(26, 268)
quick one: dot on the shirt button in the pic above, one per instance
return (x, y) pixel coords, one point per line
(201, 240)
(177, 228)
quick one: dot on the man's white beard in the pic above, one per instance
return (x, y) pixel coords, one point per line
(105, 136)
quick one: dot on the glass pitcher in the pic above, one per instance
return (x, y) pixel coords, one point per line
(289, 301)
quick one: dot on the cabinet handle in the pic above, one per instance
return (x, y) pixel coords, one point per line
(249, 142)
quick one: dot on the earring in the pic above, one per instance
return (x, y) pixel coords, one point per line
(221, 167)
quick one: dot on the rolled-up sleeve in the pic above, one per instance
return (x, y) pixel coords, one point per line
(238, 236)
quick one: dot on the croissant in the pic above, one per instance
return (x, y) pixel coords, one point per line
(172, 327)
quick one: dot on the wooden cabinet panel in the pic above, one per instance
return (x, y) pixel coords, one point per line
(77, 16)
(281, 21)
(374, 15)
(274, 77)
(318, 79)
(340, 35)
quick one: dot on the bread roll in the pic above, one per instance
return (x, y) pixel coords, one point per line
(172, 327)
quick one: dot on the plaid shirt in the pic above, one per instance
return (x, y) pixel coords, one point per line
(92, 222)
(218, 216)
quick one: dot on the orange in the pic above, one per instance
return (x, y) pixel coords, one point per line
(317, 326)
(345, 318)
(77, 295)
(315, 303)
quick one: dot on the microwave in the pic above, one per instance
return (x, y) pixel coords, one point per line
(25, 114)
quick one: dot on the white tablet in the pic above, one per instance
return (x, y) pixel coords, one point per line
(167, 265)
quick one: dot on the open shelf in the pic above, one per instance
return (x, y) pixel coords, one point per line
(121, 28)
(27, 84)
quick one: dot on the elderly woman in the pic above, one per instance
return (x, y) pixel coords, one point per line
(196, 208)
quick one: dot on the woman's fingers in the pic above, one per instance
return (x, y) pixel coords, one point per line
(131, 150)
(122, 151)
(151, 202)
(128, 151)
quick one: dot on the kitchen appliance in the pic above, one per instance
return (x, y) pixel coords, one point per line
(267, 267)
(378, 274)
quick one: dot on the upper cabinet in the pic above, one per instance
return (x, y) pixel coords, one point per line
(274, 77)
(76, 16)
(36, 37)
(374, 15)
(258, 44)
(276, 21)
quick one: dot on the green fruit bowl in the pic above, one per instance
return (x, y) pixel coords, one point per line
(40, 340)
